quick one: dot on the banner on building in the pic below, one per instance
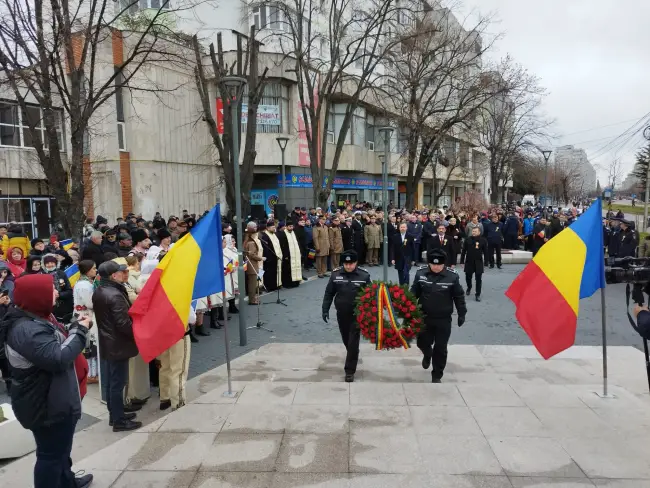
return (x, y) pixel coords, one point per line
(305, 181)
(266, 114)
(268, 198)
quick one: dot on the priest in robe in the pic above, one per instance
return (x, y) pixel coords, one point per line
(273, 253)
(291, 258)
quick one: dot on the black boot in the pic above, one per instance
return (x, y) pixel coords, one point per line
(193, 338)
(478, 298)
(469, 291)
(200, 331)
(220, 313)
(232, 308)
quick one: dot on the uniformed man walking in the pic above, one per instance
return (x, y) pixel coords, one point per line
(475, 259)
(343, 287)
(438, 289)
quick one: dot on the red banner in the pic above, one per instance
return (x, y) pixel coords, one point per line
(219, 115)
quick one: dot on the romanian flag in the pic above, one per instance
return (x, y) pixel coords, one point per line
(72, 272)
(547, 293)
(66, 244)
(192, 269)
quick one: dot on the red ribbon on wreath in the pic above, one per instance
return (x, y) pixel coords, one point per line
(387, 332)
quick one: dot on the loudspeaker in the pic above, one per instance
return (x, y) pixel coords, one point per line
(280, 211)
(258, 213)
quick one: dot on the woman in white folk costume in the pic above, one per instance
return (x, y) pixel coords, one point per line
(215, 301)
(291, 259)
(273, 254)
(138, 385)
(82, 295)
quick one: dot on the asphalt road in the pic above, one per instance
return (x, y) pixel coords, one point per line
(492, 321)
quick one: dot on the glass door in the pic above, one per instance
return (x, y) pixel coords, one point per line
(42, 217)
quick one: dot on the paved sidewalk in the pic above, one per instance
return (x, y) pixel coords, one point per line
(502, 418)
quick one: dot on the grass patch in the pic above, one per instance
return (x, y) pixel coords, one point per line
(627, 209)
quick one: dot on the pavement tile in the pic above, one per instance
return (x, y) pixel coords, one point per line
(433, 394)
(197, 418)
(378, 420)
(528, 482)
(376, 394)
(154, 479)
(261, 418)
(102, 479)
(117, 456)
(268, 393)
(555, 396)
(611, 457)
(535, 457)
(314, 453)
(509, 422)
(165, 451)
(425, 480)
(469, 455)
(612, 483)
(322, 394)
(381, 453)
(490, 395)
(241, 452)
(628, 422)
(315, 419)
(573, 422)
(213, 479)
(216, 391)
(310, 480)
(622, 399)
(444, 420)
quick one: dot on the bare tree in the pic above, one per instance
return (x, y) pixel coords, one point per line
(435, 84)
(245, 64)
(510, 123)
(54, 52)
(615, 173)
(336, 48)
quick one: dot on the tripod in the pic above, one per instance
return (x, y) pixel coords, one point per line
(259, 325)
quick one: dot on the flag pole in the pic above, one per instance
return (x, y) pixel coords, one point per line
(229, 393)
(604, 324)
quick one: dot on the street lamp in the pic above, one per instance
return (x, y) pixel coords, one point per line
(547, 154)
(235, 86)
(385, 162)
(282, 142)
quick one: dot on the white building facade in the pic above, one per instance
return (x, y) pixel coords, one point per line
(576, 163)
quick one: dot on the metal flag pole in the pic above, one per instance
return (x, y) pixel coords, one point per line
(229, 393)
(604, 324)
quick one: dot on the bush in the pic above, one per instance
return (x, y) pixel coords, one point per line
(471, 202)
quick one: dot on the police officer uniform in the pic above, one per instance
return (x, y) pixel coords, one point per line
(629, 240)
(343, 288)
(437, 294)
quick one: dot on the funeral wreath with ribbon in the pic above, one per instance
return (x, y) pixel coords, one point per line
(388, 315)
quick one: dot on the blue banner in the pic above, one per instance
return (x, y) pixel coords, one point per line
(340, 182)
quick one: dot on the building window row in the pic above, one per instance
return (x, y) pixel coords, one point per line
(14, 125)
(273, 115)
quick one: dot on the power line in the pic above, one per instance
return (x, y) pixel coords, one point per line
(596, 128)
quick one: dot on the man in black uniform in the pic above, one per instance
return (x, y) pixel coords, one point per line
(343, 287)
(629, 240)
(494, 236)
(437, 289)
(475, 257)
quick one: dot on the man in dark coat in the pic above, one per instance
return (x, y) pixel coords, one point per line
(347, 234)
(392, 230)
(629, 240)
(301, 236)
(93, 248)
(403, 250)
(272, 263)
(116, 341)
(441, 241)
(475, 257)
(494, 236)
(511, 231)
(359, 244)
(540, 235)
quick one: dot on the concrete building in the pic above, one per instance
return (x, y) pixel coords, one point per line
(575, 162)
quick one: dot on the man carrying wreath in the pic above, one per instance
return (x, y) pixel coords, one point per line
(438, 289)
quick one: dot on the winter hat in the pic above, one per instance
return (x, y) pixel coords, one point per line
(36, 241)
(163, 234)
(138, 235)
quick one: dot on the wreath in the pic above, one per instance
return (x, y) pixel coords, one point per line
(388, 315)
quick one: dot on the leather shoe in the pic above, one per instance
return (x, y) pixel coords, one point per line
(201, 332)
(426, 362)
(129, 407)
(468, 292)
(478, 298)
(126, 425)
(83, 481)
(165, 404)
(436, 380)
(349, 378)
(137, 401)
(127, 416)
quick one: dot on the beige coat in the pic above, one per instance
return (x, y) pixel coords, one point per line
(373, 235)
(321, 240)
(336, 240)
(253, 253)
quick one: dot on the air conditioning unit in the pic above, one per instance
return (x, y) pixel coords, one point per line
(371, 145)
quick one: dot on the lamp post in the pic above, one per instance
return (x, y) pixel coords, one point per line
(547, 154)
(282, 142)
(235, 85)
(385, 162)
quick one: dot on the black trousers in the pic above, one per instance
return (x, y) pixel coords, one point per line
(350, 335)
(118, 373)
(53, 468)
(403, 272)
(479, 281)
(494, 248)
(432, 341)
(6, 372)
(511, 242)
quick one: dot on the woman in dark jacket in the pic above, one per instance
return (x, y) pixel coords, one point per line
(45, 392)
(65, 302)
(456, 236)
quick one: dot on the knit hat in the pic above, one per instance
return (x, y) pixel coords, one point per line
(138, 235)
(163, 234)
(35, 241)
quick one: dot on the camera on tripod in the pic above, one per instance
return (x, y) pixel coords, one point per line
(627, 270)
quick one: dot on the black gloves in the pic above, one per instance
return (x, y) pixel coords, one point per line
(461, 320)
(326, 316)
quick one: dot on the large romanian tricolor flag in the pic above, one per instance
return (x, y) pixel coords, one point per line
(193, 268)
(548, 291)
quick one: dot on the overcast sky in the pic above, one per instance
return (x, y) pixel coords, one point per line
(593, 56)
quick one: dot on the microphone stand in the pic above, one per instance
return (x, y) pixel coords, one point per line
(259, 325)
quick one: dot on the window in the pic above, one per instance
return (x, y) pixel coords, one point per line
(370, 132)
(133, 6)
(330, 127)
(14, 125)
(359, 127)
(270, 16)
(272, 111)
(121, 136)
(403, 15)
(119, 97)
(339, 116)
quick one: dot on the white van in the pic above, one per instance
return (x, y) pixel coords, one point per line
(528, 200)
